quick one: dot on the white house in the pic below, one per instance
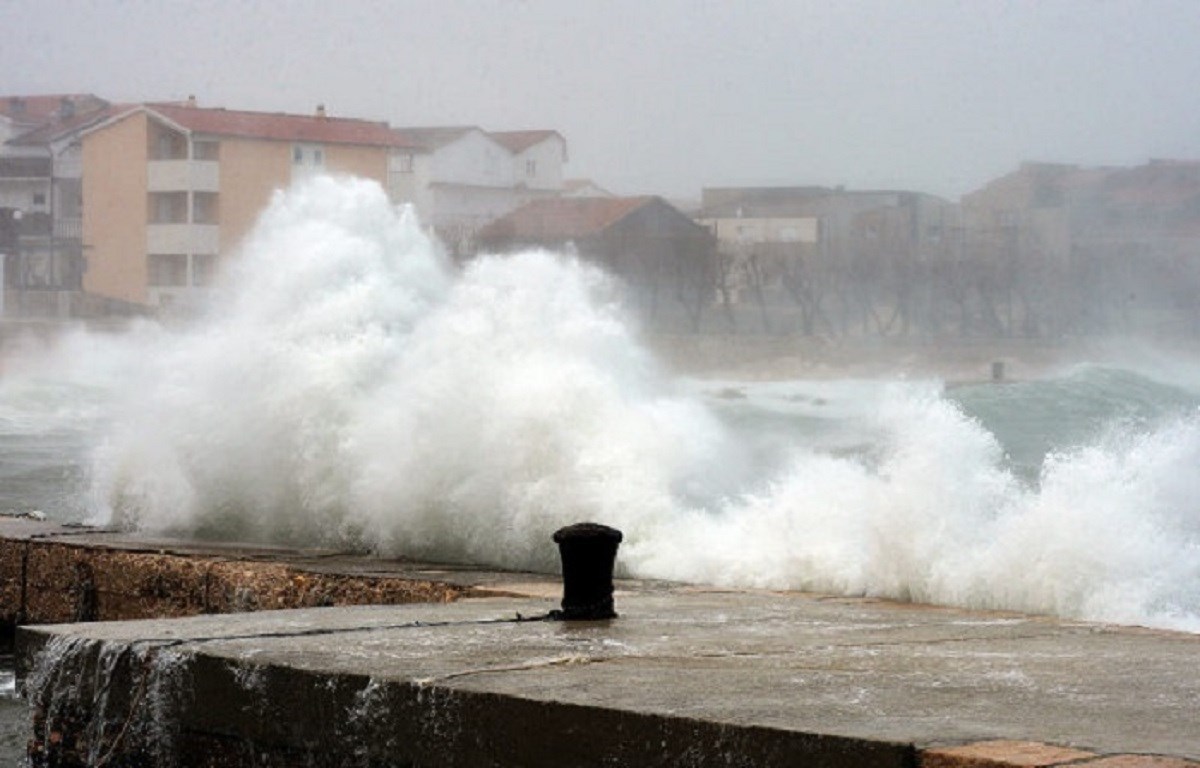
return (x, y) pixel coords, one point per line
(462, 177)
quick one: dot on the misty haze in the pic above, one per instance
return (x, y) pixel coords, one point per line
(437, 297)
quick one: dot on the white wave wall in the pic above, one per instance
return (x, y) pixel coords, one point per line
(349, 387)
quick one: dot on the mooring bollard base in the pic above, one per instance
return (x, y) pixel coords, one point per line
(588, 552)
(587, 613)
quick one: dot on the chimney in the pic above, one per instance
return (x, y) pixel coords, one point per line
(66, 107)
(191, 100)
(321, 111)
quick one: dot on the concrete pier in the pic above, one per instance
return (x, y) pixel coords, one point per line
(686, 676)
(52, 573)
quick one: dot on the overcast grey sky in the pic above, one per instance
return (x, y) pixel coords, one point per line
(669, 96)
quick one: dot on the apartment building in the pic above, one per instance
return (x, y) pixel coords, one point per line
(40, 197)
(169, 189)
(19, 114)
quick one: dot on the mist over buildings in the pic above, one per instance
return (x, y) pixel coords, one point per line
(858, 169)
(669, 97)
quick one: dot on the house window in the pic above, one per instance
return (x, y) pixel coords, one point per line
(531, 168)
(308, 155)
(204, 208)
(205, 150)
(166, 270)
(204, 268)
(307, 160)
(168, 207)
(167, 144)
(402, 163)
(39, 199)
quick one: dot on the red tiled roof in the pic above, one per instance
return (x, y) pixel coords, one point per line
(52, 130)
(562, 218)
(435, 136)
(32, 110)
(519, 141)
(282, 127)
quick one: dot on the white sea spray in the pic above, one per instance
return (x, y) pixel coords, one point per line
(349, 386)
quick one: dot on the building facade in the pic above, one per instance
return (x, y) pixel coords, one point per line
(819, 260)
(664, 259)
(170, 189)
(41, 195)
(1092, 250)
(461, 178)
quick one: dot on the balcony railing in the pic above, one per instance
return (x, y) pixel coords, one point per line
(183, 175)
(68, 229)
(25, 167)
(183, 238)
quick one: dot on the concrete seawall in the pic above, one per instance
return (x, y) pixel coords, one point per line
(51, 573)
(685, 677)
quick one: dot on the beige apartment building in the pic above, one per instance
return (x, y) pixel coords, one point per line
(170, 189)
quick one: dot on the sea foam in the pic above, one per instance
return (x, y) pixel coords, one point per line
(349, 386)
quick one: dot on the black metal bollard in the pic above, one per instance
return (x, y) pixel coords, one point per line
(588, 551)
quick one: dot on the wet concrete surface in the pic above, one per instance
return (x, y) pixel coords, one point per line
(765, 677)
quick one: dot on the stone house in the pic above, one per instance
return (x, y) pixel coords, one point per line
(665, 260)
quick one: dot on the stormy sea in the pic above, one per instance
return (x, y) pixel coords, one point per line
(349, 387)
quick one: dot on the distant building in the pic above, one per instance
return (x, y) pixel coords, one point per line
(169, 189)
(793, 253)
(664, 258)
(20, 114)
(1091, 250)
(41, 191)
(460, 178)
(818, 216)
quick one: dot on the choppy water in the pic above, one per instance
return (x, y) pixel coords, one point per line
(350, 388)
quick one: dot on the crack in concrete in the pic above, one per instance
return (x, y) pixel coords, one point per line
(560, 661)
(168, 642)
